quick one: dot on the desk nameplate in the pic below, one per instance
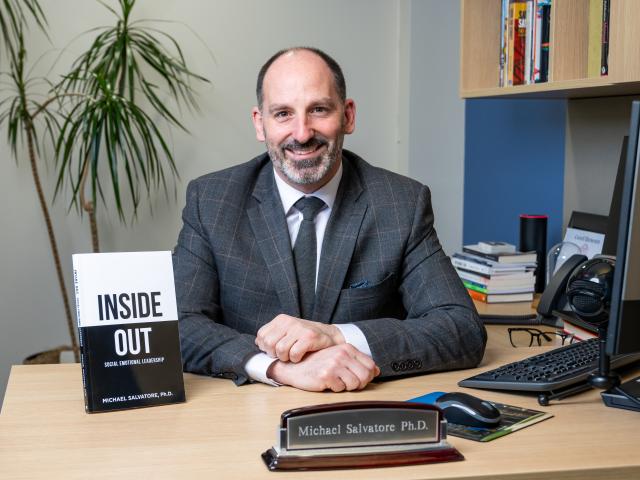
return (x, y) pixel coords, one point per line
(358, 435)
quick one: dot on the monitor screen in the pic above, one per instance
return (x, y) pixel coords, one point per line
(624, 322)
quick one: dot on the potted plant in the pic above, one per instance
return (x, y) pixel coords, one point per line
(101, 117)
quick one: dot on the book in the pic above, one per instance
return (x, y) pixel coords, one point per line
(506, 257)
(604, 67)
(577, 332)
(496, 247)
(519, 8)
(512, 419)
(573, 325)
(128, 330)
(481, 265)
(513, 279)
(498, 290)
(544, 7)
(529, 42)
(500, 298)
(594, 57)
(537, 42)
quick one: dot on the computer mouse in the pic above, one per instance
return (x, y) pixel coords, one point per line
(464, 409)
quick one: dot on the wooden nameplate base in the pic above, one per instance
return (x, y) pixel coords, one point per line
(360, 435)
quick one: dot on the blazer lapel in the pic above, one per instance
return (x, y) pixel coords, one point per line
(270, 229)
(339, 243)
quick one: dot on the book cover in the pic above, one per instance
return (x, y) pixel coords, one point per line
(128, 329)
(513, 418)
(513, 257)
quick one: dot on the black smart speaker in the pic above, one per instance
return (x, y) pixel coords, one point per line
(533, 237)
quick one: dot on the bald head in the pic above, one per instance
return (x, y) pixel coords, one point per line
(332, 65)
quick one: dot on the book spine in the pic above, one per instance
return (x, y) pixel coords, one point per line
(510, 37)
(528, 67)
(82, 341)
(545, 36)
(537, 35)
(481, 297)
(474, 286)
(503, 42)
(594, 57)
(489, 256)
(519, 43)
(472, 266)
(604, 67)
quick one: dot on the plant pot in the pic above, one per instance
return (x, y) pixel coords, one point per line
(48, 356)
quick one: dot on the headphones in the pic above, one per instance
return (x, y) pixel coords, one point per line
(589, 289)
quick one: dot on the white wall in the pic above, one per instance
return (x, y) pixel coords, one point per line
(595, 128)
(369, 38)
(436, 118)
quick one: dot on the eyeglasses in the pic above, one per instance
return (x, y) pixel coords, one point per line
(521, 337)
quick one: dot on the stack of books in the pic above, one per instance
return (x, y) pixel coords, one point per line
(524, 41)
(496, 274)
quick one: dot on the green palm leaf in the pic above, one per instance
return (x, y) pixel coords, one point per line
(125, 78)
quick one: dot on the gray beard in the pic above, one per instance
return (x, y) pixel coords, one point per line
(307, 171)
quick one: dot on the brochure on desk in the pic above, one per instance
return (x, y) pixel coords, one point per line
(128, 330)
(513, 418)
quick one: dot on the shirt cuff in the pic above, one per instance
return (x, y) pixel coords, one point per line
(257, 366)
(354, 336)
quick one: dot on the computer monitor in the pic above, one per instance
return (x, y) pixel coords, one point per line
(623, 334)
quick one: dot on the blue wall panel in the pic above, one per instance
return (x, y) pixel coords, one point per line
(514, 163)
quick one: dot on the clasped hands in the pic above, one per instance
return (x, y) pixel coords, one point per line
(313, 356)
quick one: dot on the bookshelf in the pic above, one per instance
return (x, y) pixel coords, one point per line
(480, 47)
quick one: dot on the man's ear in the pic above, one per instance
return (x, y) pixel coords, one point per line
(256, 117)
(349, 116)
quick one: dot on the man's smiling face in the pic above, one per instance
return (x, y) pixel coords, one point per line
(302, 120)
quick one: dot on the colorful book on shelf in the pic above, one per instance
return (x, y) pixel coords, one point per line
(537, 43)
(594, 56)
(529, 42)
(514, 257)
(512, 419)
(500, 298)
(544, 7)
(519, 41)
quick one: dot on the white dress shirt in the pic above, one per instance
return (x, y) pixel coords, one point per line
(257, 365)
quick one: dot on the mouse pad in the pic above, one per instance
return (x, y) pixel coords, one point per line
(513, 419)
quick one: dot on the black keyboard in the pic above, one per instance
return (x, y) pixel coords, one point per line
(553, 371)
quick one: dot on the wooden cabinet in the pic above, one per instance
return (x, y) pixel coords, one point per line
(480, 51)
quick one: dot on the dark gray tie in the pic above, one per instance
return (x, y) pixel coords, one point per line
(305, 252)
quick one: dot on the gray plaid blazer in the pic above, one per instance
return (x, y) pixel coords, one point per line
(382, 268)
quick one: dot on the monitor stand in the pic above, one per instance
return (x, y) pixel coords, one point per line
(625, 396)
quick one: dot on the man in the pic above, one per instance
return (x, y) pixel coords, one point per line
(318, 293)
